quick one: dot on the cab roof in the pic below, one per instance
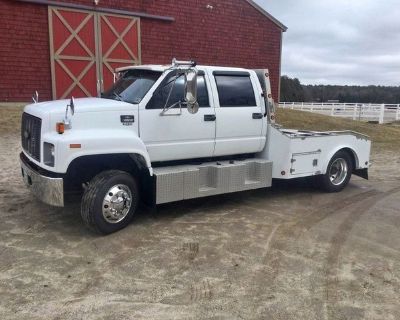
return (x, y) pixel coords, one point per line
(162, 68)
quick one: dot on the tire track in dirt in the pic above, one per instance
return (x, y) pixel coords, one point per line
(190, 250)
(201, 291)
(338, 240)
(293, 230)
(296, 227)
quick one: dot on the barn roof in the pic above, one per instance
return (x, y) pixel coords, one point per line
(267, 14)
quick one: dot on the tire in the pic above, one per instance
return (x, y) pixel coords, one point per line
(105, 206)
(338, 173)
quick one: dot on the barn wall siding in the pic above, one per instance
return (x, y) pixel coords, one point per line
(24, 52)
(233, 33)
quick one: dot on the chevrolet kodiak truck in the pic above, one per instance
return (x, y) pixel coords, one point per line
(175, 132)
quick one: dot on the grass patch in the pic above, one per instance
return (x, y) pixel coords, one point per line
(382, 135)
(10, 117)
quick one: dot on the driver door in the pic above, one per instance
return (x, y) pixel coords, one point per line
(178, 134)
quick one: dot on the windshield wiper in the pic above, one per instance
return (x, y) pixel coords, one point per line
(117, 95)
(136, 101)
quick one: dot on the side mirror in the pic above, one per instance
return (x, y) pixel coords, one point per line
(272, 111)
(191, 91)
(72, 105)
(116, 76)
(35, 97)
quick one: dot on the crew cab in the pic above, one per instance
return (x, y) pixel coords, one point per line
(165, 133)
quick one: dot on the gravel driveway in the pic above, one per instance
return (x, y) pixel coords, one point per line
(290, 252)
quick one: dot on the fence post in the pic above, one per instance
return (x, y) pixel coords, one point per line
(398, 112)
(332, 110)
(302, 106)
(292, 105)
(354, 112)
(382, 114)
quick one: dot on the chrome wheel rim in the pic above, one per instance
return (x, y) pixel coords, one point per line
(117, 203)
(338, 171)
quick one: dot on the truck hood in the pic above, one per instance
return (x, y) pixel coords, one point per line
(44, 109)
(90, 113)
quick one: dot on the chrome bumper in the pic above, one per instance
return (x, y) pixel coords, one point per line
(48, 190)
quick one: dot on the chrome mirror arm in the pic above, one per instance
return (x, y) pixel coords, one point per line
(165, 110)
(189, 71)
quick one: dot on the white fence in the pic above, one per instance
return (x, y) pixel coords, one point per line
(382, 113)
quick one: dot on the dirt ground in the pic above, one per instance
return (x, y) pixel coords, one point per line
(290, 252)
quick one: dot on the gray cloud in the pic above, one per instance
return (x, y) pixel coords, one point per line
(340, 41)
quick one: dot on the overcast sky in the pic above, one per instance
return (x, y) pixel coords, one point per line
(340, 41)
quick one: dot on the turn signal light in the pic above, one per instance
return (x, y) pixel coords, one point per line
(60, 127)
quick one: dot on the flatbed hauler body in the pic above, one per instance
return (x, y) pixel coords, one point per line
(169, 133)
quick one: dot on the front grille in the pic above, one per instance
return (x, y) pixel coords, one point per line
(30, 135)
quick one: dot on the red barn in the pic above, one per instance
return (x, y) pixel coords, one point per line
(64, 48)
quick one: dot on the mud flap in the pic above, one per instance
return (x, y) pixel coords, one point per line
(363, 173)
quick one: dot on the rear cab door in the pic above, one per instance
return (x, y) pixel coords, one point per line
(239, 111)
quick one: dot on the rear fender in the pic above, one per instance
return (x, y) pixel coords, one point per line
(346, 148)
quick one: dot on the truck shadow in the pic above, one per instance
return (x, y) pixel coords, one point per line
(279, 189)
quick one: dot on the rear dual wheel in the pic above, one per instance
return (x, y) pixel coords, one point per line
(110, 201)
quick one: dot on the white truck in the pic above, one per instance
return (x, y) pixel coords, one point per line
(174, 132)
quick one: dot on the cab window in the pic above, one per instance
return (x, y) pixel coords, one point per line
(177, 82)
(235, 89)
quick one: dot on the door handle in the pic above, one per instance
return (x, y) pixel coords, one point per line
(210, 117)
(258, 115)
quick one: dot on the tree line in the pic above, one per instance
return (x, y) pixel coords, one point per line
(293, 91)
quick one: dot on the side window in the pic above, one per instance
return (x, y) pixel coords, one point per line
(235, 90)
(160, 96)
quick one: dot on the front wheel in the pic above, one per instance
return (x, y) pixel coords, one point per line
(338, 173)
(110, 201)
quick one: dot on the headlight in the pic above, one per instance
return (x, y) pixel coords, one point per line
(48, 154)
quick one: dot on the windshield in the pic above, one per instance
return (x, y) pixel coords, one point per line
(132, 86)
